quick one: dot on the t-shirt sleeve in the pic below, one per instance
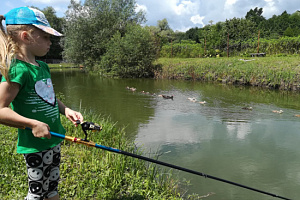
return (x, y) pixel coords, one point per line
(18, 74)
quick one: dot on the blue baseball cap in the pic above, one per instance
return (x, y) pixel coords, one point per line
(30, 16)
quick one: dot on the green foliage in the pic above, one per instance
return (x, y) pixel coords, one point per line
(239, 29)
(90, 27)
(131, 55)
(184, 49)
(255, 15)
(163, 25)
(165, 33)
(90, 173)
(193, 34)
(275, 47)
(291, 32)
(243, 36)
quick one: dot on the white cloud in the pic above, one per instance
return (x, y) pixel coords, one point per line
(60, 6)
(270, 8)
(181, 14)
(229, 7)
(185, 8)
(46, 1)
(197, 19)
(230, 2)
(141, 8)
(185, 14)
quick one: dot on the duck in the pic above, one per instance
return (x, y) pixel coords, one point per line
(247, 108)
(166, 96)
(297, 115)
(277, 111)
(202, 102)
(192, 99)
(145, 92)
(131, 88)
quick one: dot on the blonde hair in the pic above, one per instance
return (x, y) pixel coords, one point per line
(8, 45)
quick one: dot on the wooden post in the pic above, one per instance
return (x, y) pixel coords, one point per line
(171, 48)
(258, 42)
(228, 45)
(205, 46)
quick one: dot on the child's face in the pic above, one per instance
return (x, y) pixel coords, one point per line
(40, 43)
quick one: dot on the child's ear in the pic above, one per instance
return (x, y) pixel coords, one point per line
(25, 37)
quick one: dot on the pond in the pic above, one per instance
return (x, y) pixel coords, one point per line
(256, 147)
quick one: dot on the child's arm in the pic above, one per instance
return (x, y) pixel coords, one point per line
(72, 115)
(8, 91)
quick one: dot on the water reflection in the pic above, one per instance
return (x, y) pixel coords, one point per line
(239, 130)
(257, 147)
(221, 138)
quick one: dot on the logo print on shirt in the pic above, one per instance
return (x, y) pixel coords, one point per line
(45, 91)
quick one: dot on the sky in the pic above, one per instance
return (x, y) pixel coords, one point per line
(180, 14)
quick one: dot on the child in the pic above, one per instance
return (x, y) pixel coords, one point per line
(27, 86)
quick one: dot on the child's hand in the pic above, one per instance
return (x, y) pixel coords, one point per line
(40, 130)
(73, 116)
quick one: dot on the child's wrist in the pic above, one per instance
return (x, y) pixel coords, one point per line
(34, 123)
(66, 110)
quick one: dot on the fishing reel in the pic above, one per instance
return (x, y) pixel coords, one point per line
(89, 126)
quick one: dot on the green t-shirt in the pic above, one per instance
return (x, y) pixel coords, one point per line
(36, 100)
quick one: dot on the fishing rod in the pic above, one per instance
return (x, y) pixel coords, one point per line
(95, 127)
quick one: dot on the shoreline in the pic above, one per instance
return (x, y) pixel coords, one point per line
(281, 73)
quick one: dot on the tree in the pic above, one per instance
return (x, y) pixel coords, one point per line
(243, 33)
(165, 33)
(240, 29)
(295, 22)
(278, 26)
(193, 34)
(179, 36)
(163, 25)
(289, 32)
(90, 27)
(162, 34)
(283, 22)
(255, 15)
(131, 55)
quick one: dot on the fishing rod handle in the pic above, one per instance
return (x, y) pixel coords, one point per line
(74, 139)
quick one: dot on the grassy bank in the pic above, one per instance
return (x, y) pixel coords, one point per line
(271, 72)
(62, 65)
(90, 173)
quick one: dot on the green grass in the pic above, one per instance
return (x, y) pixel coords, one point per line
(61, 65)
(91, 173)
(272, 72)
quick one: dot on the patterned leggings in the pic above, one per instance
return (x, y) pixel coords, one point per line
(43, 173)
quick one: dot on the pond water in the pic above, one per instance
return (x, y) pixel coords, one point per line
(257, 148)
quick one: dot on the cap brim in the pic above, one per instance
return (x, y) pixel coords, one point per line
(49, 30)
